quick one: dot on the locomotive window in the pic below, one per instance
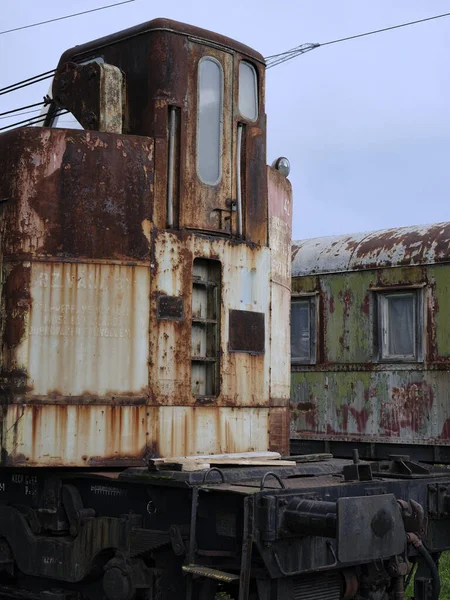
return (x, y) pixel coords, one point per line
(205, 343)
(303, 330)
(210, 120)
(248, 91)
(399, 326)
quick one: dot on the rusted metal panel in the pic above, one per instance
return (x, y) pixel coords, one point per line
(247, 331)
(403, 246)
(76, 194)
(408, 407)
(244, 377)
(280, 230)
(86, 331)
(93, 93)
(254, 173)
(75, 296)
(170, 307)
(74, 435)
(279, 429)
(210, 430)
(280, 226)
(438, 310)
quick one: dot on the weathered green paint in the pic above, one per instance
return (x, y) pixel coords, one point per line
(305, 285)
(349, 395)
(439, 277)
(390, 405)
(400, 276)
(347, 309)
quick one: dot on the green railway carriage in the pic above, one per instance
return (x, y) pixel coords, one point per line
(370, 343)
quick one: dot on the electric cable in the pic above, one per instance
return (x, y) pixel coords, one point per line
(85, 12)
(33, 120)
(27, 112)
(8, 112)
(21, 84)
(276, 59)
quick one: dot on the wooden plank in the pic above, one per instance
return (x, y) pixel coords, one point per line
(253, 462)
(201, 465)
(190, 467)
(207, 457)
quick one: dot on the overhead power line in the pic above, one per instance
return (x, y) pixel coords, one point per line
(85, 12)
(33, 120)
(20, 84)
(25, 112)
(276, 59)
(14, 110)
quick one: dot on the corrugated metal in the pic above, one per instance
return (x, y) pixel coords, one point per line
(428, 244)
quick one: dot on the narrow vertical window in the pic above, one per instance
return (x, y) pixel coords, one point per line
(303, 330)
(205, 327)
(248, 91)
(210, 120)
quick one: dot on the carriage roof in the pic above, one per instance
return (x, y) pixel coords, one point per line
(403, 246)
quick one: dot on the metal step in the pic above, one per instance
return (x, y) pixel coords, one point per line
(210, 573)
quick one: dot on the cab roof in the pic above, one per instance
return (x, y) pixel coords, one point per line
(161, 24)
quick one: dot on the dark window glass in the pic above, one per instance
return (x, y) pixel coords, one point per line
(303, 330)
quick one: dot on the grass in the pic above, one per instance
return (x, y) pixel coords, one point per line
(444, 571)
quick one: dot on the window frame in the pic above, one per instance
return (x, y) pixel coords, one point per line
(382, 353)
(313, 302)
(207, 276)
(212, 59)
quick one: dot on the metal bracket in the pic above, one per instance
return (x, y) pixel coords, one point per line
(438, 500)
(74, 508)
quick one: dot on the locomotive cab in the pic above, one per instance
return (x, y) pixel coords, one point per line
(200, 96)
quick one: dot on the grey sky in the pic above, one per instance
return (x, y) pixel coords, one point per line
(364, 123)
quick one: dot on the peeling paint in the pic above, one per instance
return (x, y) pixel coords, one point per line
(349, 395)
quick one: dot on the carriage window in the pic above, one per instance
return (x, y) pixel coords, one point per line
(303, 330)
(210, 120)
(399, 326)
(248, 91)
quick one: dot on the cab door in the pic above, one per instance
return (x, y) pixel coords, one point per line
(206, 198)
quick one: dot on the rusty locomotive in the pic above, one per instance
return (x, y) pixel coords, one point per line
(144, 315)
